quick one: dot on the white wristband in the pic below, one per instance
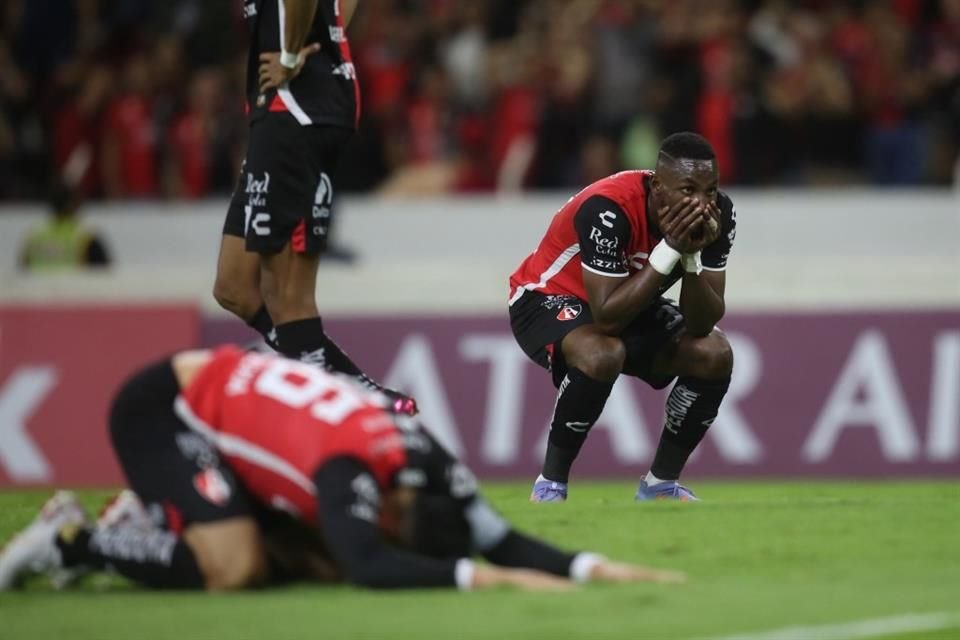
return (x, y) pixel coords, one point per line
(289, 60)
(463, 574)
(583, 565)
(663, 258)
(692, 263)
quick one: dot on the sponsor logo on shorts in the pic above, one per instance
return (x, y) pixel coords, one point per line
(569, 313)
(322, 200)
(257, 189)
(211, 484)
(261, 224)
(559, 301)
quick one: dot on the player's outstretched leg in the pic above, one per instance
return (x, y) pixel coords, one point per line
(60, 543)
(34, 550)
(595, 360)
(704, 366)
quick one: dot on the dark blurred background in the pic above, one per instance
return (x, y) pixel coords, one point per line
(143, 98)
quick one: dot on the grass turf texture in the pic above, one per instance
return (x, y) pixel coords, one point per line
(760, 556)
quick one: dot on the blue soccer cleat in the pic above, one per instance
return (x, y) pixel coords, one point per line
(548, 491)
(670, 490)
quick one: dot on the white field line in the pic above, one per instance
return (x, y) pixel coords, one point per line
(870, 628)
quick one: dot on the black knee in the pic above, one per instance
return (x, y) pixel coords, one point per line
(599, 356)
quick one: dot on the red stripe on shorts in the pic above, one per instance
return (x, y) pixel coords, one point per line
(298, 241)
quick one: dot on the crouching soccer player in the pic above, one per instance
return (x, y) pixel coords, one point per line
(217, 445)
(587, 305)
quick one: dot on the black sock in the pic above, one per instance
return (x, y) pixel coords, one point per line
(262, 323)
(306, 341)
(580, 401)
(155, 557)
(691, 408)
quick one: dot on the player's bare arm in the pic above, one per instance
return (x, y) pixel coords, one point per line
(701, 294)
(279, 68)
(615, 302)
(694, 181)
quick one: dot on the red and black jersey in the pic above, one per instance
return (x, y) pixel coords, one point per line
(276, 422)
(326, 90)
(314, 444)
(604, 229)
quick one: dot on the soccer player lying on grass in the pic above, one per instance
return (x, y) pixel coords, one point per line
(217, 444)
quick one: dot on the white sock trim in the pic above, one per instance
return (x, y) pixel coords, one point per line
(463, 574)
(651, 479)
(583, 564)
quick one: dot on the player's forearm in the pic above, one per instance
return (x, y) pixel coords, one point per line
(519, 550)
(702, 307)
(298, 16)
(626, 302)
(387, 568)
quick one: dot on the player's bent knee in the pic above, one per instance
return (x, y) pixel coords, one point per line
(714, 356)
(243, 571)
(599, 356)
(230, 554)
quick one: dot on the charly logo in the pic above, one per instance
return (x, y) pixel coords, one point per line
(606, 218)
(261, 223)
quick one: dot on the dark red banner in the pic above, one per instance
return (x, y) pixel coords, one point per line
(814, 394)
(870, 394)
(59, 367)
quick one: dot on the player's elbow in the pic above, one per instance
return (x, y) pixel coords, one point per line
(609, 323)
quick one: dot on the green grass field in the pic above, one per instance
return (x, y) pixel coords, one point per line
(761, 557)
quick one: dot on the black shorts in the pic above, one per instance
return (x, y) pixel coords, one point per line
(539, 322)
(175, 471)
(285, 190)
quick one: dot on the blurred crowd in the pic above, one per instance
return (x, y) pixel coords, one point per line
(143, 98)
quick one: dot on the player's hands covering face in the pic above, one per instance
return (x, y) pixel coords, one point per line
(689, 225)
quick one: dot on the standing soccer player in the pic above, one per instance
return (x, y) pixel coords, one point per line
(303, 102)
(587, 305)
